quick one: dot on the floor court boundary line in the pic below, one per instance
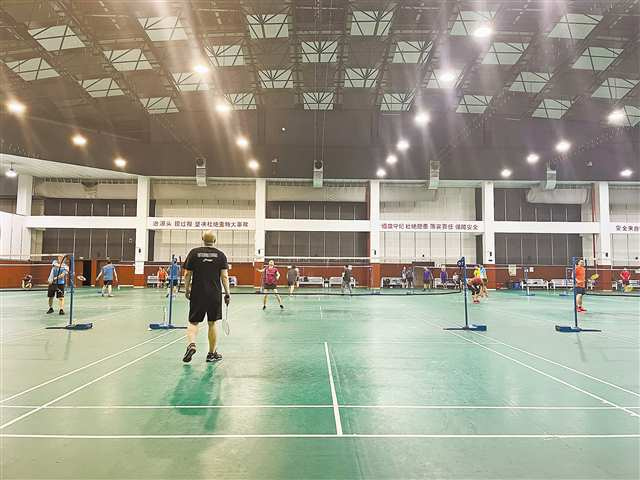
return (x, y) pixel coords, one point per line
(548, 436)
(79, 369)
(334, 396)
(91, 382)
(373, 407)
(592, 395)
(540, 357)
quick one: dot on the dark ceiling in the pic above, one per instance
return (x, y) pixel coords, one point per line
(343, 78)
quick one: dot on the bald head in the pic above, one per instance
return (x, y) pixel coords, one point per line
(208, 237)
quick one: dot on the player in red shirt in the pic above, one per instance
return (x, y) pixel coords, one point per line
(581, 284)
(475, 285)
(625, 277)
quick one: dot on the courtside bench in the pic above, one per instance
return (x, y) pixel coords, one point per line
(306, 281)
(536, 283)
(337, 282)
(391, 282)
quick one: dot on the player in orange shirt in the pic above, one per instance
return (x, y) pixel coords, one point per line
(581, 284)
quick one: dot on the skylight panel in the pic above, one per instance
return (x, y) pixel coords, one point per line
(530, 82)
(57, 37)
(190, 82)
(615, 88)
(468, 20)
(272, 25)
(159, 105)
(319, 52)
(597, 58)
(226, 55)
(397, 102)
(241, 101)
(501, 53)
(473, 103)
(412, 52)
(552, 108)
(575, 25)
(163, 29)
(102, 87)
(371, 22)
(276, 78)
(360, 77)
(318, 100)
(632, 115)
(32, 69)
(128, 60)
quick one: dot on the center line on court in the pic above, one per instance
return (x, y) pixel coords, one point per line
(334, 397)
(101, 377)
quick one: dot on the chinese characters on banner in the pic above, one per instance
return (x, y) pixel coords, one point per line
(453, 227)
(625, 228)
(174, 223)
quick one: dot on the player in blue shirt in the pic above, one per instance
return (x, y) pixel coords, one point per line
(108, 274)
(57, 280)
(174, 279)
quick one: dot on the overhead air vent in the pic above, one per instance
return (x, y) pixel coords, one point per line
(201, 172)
(434, 175)
(318, 173)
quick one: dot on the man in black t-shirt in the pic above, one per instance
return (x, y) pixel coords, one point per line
(205, 268)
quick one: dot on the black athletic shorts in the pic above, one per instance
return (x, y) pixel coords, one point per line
(475, 289)
(291, 283)
(579, 290)
(55, 290)
(197, 311)
(173, 283)
(108, 282)
(270, 286)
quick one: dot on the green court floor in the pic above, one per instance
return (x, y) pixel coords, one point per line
(332, 387)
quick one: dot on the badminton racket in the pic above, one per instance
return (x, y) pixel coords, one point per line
(226, 327)
(595, 276)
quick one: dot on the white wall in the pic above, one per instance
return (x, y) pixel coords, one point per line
(13, 235)
(236, 244)
(624, 203)
(415, 202)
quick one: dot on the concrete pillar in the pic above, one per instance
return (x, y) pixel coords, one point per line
(374, 233)
(142, 234)
(489, 234)
(260, 235)
(23, 207)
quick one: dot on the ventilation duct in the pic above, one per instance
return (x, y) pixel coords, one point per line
(565, 196)
(201, 172)
(318, 173)
(549, 183)
(434, 175)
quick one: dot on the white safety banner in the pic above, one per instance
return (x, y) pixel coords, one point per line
(451, 226)
(179, 223)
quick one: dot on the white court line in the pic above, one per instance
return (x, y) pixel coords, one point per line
(592, 395)
(89, 365)
(381, 407)
(334, 397)
(548, 436)
(101, 377)
(559, 365)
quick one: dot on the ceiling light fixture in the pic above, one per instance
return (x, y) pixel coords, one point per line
(120, 162)
(446, 76)
(563, 146)
(533, 158)
(483, 31)
(422, 118)
(506, 173)
(381, 173)
(402, 145)
(616, 117)
(253, 164)
(223, 107)
(199, 68)
(626, 172)
(16, 107)
(79, 140)
(11, 173)
(392, 159)
(242, 142)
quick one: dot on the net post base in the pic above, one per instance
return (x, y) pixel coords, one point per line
(571, 329)
(164, 326)
(73, 326)
(472, 328)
